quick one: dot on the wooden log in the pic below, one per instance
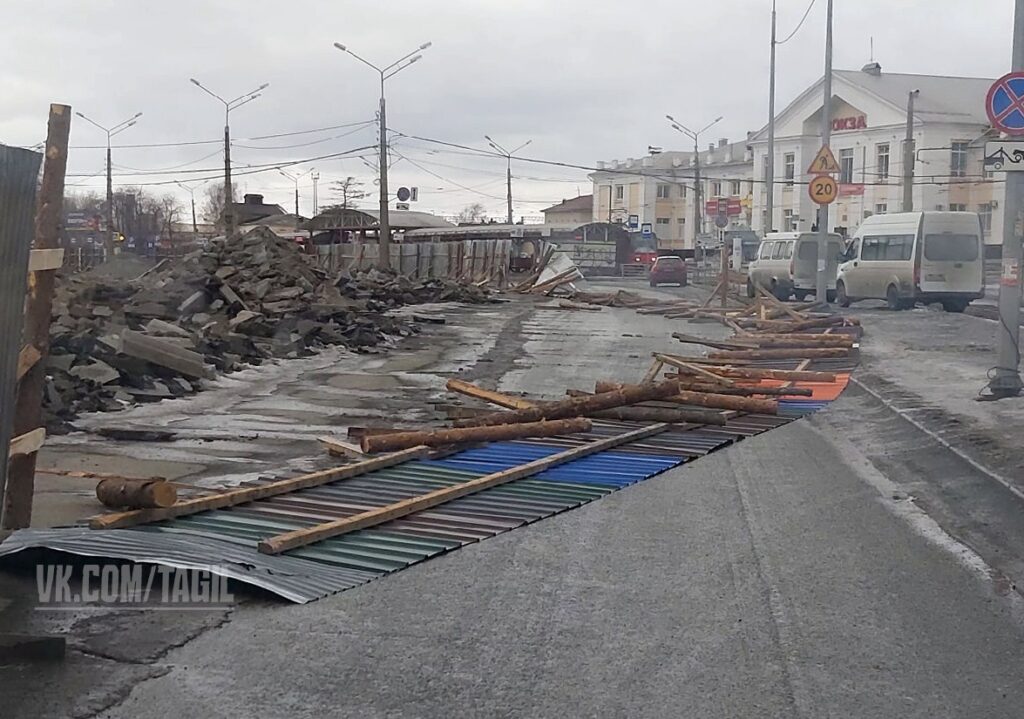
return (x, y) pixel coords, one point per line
(701, 399)
(809, 344)
(502, 400)
(719, 344)
(747, 391)
(820, 340)
(817, 353)
(477, 433)
(249, 494)
(302, 537)
(660, 414)
(776, 374)
(788, 327)
(136, 493)
(577, 406)
(697, 369)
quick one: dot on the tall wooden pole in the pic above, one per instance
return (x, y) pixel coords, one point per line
(17, 502)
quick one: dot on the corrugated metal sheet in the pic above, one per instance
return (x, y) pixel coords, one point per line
(229, 536)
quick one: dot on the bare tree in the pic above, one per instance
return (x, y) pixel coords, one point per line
(85, 201)
(348, 191)
(168, 208)
(474, 214)
(213, 204)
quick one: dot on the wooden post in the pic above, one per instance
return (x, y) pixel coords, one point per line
(724, 284)
(17, 505)
(309, 535)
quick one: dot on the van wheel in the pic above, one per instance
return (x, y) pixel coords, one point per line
(830, 295)
(750, 290)
(892, 299)
(955, 305)
(800, 296)
(779, 293)
(841, 297)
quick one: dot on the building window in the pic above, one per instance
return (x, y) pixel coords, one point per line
(789, 162)
(620, 192)
(985, 212)
(882, 161)
(846, 166)
(764, 168)
(663, 191)
(788, 221)
(734, 189)
(750, 187)
(716, 189)
(681, 221)
(958, 160)
(939, 208)
(662, 221)
(954, 207)
(881, 208)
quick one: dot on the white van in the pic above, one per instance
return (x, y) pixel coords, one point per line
(911, 257)
(787, 264)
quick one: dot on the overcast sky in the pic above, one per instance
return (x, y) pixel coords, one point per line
(583, 79)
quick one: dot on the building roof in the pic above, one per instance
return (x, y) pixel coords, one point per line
(575, 204)
(353, 219)
(942, 98)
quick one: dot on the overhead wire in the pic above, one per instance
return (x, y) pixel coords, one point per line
(800, 25)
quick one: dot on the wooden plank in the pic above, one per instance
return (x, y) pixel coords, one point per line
(27, 443)
(47, 259)
(654, 371)
(249, 494)
(338, 448)
(309, 535)
(502, 400)
(675, 362)
(27, 359)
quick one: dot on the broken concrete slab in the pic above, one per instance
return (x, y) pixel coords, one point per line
(97, 371)
(166, 354)
(160, 328)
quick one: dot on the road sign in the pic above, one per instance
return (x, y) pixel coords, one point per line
(1005, 104)
(646, 230)
(404, 194)
(823, 189)
(823, 163)
(1004, 155)
(402, 205)
(633, 222)
(721, 221)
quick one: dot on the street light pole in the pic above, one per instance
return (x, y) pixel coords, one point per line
(508, 172)
(229, 105)
(295, 179)
(111, 131)
(315, 176)
(821, 287)
(385, 73)
(192, 193)
(1006, 381)
(695, 136)
(770, 169)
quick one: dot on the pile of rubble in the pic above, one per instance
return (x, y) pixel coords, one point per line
(237, 302)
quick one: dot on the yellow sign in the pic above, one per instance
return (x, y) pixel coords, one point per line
(824, 162)
(823, 189)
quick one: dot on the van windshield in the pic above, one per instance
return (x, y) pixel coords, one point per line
(951, 248)
(809, 250)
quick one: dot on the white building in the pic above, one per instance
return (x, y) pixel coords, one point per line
(869, 110)
(658, 190)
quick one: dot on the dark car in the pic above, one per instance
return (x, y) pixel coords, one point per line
(668, 269)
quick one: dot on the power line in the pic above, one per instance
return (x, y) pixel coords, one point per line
(186, 143)
(797, 29)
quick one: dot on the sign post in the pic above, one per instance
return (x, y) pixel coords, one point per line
(1005, 107)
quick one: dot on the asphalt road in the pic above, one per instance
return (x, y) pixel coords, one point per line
(845, 565)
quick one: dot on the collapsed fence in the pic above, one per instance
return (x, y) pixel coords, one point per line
(473, 260)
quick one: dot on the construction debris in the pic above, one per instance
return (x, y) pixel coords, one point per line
(394, 441)
(136, 493)
(235, 303)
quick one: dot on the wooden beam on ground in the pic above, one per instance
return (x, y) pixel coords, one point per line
(696, 369)
(652, 374)
(338, 448)
(502, 400)
(309, 535)
(248, 494)
(476, 433)
(776, 374)
(27, 359)
(815, 353)
(701, 399)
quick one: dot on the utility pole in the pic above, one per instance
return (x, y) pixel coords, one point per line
(295, 179)
(315, 176)
(1006, 380)
(508, 174)
(111, 131)
(192, 194)
(821, 288)
(909, 155)
(229, 105)
(384, 231)
(680, 127)
(770, 169)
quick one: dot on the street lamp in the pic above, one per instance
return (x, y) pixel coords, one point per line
(192, 193)
(508, 156)
(676, 125)
(295, 179)
(384, 240)
(229, 105)
(111, 131)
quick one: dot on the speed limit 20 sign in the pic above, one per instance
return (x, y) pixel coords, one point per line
(823, 189)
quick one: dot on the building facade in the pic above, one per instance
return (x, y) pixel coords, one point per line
(656, 193)
(869, 119)
(575, 211)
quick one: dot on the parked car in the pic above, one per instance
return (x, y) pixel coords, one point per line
(910, 257)
(668, 269)
(787, 264)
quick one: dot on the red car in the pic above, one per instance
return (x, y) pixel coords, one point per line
(668, 269)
